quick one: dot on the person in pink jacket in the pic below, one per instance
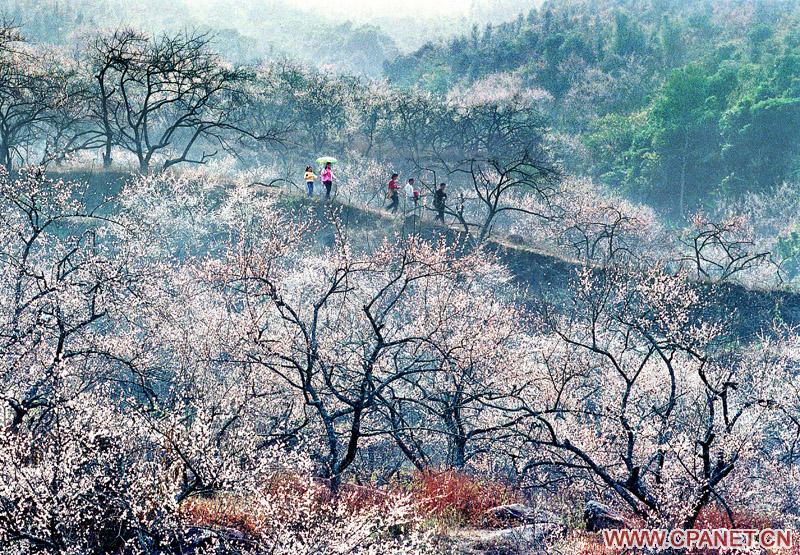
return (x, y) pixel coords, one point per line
(327, 177)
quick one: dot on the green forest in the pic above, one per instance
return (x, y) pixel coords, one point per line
(676, 103)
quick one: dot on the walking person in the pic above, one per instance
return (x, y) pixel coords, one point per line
(439, 200)
(394, 194)
(309, 179)
(411, 201)
(327, 179)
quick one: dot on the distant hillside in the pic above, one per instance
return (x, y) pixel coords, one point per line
(245, 33)
(676, 102)
(248, 31)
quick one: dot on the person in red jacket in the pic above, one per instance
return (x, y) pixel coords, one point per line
(394, 193)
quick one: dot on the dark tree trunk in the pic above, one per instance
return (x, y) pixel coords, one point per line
(5, 157)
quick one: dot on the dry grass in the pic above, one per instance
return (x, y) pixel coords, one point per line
(448, 497)
(221, 511)
(458, 498)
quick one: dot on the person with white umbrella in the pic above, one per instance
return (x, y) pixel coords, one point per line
(326, 175)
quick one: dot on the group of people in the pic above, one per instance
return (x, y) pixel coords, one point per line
(326, 176)
(413, 194)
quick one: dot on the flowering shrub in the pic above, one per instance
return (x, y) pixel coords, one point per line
(63, 489)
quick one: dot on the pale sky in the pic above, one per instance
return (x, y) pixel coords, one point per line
(368, 8)
(365, 9)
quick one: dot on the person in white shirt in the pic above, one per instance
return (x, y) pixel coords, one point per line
(409, 190)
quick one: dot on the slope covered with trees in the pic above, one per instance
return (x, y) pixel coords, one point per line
(196, 355)
(678, 103)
